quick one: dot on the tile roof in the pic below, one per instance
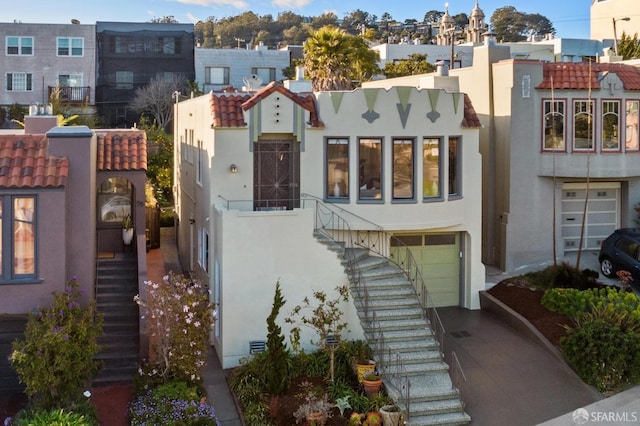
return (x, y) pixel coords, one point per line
(121, 150)
(226, 110)
(581, 75)
(25, 163)
(470, 119)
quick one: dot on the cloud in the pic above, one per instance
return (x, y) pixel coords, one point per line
(238, 4)
(291, 4)
(193, 19)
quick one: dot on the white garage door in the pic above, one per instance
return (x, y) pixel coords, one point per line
(603, 213)
(438, 256)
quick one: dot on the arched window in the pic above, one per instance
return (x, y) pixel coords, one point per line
(114, 200)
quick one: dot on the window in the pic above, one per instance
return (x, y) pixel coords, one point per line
(267, 75)
(70, 80)
(554, 125)
(168, 45)
(583, 125)
(17, 237)
(631, 126)
(455, 168)
(431, 148)
(70, 46)
(337, 185)
(19, 82)
(114, 201)
(370, 160)
(203, 252)
(610, 125)
(199, 165)
(216, 75)
(403, 170)
(124, 79)
(20, 46)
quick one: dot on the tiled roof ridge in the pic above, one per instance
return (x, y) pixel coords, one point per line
(583, 76)
(470, 119)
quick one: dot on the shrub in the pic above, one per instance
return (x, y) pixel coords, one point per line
(277, 379)
(248, 384)
(55, 360)
(152, 409)
(53, 417)
(179, 317)
(604, 349)
(572, 302)
(562, 275)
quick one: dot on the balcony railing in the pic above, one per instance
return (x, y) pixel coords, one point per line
(71, 94)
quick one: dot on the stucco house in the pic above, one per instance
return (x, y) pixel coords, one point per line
(59, 187)
(555, 135)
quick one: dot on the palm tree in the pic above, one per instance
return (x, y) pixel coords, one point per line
(334, 59)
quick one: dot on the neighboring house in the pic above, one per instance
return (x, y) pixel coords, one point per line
(39, 59)
(55, 183)
(257, 172)
(550, 131)
(130, 55)
(603, 13)
(222, 69)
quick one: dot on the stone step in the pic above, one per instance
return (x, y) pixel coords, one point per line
(382, 272)
(448, 419)
(368, 263)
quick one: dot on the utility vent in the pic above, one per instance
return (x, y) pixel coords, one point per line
(257, 346)
(332, 339)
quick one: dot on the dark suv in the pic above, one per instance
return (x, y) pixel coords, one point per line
(620, 251)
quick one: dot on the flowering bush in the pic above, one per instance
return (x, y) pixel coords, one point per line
(55, 360)
(179, 317)
(151, 410)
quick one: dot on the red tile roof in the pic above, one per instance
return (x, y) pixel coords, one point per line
(581, 75)
(25, 163)
(121, 150)
(226, 110)
(470, 119)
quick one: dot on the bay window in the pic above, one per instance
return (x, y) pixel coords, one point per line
(17, 238)
(583, 125)
(337, 168)
(554, 116)
(370, 161)
(431, 148)
(610, 125)
(403, 169)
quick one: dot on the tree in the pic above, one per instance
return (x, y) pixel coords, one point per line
(324, 317)
(629, 47)
(276, 377)
(334, 59)
(433, 16)
(415, 64)
(159, 162)
(354, 21)
(513, 26)
(461, 20)
(164, 20)
(326, 19)
(156, 99)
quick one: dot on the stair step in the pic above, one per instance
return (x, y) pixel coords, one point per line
(410, 346)
(448, 419)
(370, 262)
(379, 273)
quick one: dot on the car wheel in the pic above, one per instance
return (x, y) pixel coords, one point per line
(109, 216)
(606, 266)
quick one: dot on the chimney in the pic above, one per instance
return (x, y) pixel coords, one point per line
(442, 69)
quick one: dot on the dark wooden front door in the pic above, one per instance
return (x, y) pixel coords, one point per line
(276, 175)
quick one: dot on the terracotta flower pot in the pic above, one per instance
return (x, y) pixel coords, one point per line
(316, 418)
(371, 387)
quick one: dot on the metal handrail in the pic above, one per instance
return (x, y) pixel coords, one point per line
(458, 379)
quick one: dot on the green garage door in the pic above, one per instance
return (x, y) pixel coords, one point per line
(439, 258)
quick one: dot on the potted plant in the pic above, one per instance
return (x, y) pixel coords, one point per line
(362, 363)
(372, 384)
(127, 229)
(391, 415)
(373, 419)
(316, 408)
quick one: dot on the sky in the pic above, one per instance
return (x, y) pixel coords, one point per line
(570, 18)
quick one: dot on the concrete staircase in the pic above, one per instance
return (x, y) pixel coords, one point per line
(116, 285)
(407, 336)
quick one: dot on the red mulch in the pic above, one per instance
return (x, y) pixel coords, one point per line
(112, 403)
(526, 302)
